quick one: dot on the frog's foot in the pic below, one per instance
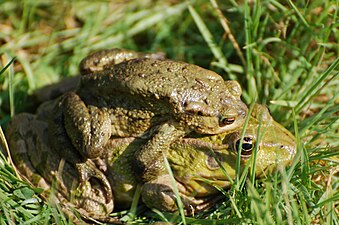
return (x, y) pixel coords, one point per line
(89, 203)
(89, 170)
(149, 159)
(91, 199)
(159, 194)
(100, 164)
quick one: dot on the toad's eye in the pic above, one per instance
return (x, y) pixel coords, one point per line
(224, 121)
(246, 147)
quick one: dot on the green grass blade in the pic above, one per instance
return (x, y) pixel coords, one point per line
(314, 89)
(298, 13)
(208, 37)
(176, 191)
(9, 66)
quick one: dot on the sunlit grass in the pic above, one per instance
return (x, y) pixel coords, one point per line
(288, 60)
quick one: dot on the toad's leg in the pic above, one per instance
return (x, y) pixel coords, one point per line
(61, 144)
(100, 60)
(149, 159)
(88, 127)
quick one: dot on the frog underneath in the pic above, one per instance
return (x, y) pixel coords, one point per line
(193, 160)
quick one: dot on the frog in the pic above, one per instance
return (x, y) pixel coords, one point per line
(198, 163)
(160, 100)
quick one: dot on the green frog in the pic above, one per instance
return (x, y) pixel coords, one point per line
(148, 97)
(194, 160)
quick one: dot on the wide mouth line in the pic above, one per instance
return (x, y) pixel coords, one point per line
(204, 144)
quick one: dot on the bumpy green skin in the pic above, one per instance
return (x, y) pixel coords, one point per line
(192, 160)
(158, 99)
(103, 59)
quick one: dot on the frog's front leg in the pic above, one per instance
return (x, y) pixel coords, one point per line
(149, 158)
(88, 127)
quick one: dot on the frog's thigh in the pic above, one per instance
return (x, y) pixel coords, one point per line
(87, 127)
(149, 158)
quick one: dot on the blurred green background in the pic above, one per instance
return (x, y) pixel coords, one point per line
(283, 53)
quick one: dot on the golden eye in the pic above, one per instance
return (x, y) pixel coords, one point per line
(246, 147)
(224, 121)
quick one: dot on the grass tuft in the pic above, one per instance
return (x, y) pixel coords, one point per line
(284, 54)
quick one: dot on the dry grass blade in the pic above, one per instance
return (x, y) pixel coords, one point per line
(228, 31)
(5, 146)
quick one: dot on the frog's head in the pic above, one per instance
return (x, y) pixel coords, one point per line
(221, 110)
(273, 144)
(204, 119)
(231, 110)
(266, 141)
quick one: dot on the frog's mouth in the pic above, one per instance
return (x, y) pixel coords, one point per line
(204, 145)
(231, 143)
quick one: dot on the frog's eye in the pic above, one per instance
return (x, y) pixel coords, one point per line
(246, 147)
(224, 121)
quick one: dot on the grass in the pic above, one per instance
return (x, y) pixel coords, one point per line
(284, 54)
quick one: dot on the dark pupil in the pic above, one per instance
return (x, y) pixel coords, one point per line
(247, 146)
(227, 121)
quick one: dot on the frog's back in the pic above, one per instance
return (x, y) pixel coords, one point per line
(151, 80)
(162, 77)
